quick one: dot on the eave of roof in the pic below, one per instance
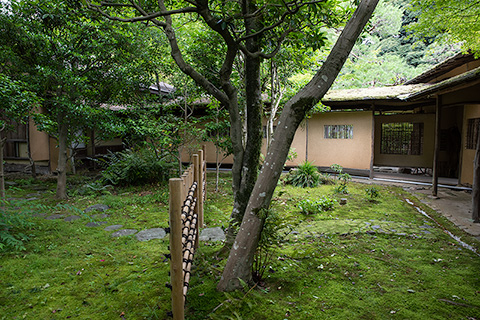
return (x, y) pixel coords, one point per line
(372, 94)
(472, 76)
(401, 96)
(442, 68)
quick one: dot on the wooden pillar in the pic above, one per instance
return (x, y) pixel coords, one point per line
(201, 181)
(197, 163)
(476, 181)
(204, 176)
(176, 270)
(372, 150)
(306, 140)
(438, 116)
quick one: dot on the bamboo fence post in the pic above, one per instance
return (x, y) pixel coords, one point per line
(202, 188)
(176, 272)
(204, 175)
(198, 192)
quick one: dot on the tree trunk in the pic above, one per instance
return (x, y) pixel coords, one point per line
(476, 182)
(247, 175)
(62, 156)
(2, 172)
(240, 260)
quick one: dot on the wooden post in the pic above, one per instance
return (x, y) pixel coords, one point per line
(176, 273)
(476, 181)
(438, 116)
(204, 176)
(372, 150)
(197, 164)
(201, 190)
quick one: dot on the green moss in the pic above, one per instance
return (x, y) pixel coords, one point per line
(331, 268)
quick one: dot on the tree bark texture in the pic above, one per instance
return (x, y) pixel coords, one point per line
(476, 183)
(62, 156)
(240, 260)
(2, 171)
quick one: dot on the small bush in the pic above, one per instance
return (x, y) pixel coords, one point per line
(137, 167)
(316, 206)
(372, 194)
(12, 225)
(326, 178)
(343, 179)
(305, 175)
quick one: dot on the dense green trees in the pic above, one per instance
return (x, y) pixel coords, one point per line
(457, 21)
(246, 33)
(73, 61)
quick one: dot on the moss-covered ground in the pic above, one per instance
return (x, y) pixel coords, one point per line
(362, 260)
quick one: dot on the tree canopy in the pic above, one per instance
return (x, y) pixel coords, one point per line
(457, 21)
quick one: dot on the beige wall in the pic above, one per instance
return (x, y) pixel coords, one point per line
(423, 160)
(39, 144)
(471, 112)
(349, 153)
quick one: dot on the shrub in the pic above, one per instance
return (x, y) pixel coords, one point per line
(138, 167)
(305, 175)
(269, 240)
(12, 225)
(316, 206)
(372, 194)
(343, 179)
(326, 178)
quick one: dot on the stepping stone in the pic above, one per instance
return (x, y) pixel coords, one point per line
(113, 227)
(149, 234)
(97, 207)
(55, 216)
(31, 199)
(100, 216)
(124, 232)
(426, 226)
(96, 224)
(72, 218)
(212, 234)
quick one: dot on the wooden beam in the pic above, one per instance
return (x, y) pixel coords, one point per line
(438, 115)
(476, 182)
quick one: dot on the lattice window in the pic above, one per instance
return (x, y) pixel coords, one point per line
(472, 133)
(342, 131)
(403, 138)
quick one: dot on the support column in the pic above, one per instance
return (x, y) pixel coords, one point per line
(438, 116)
(476, 181)
(372, 150)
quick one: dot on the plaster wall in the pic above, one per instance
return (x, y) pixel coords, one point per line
(425, 159)
(39, 146)
(349, 153)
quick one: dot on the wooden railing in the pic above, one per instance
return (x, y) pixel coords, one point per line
(187, 195)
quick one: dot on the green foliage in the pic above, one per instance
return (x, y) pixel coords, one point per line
(136, 167)
(13, 224)
(342, 178)
(310, 207)
(306, 175)
(372, 193)
(269, 240)
(389, 53)
(456, 21)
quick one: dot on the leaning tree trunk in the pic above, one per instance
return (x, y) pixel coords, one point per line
(240, 260)
(476, 182)
(62, 156)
